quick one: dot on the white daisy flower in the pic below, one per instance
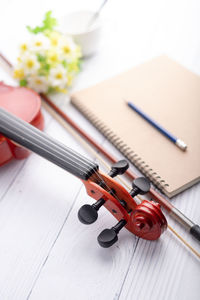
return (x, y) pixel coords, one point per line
(39, 43)
(68, 48)
(30, 64)
(38, 83)
(55, 38)
(58, 77)
(24, 47)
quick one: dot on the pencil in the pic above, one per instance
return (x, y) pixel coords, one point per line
(178, 142)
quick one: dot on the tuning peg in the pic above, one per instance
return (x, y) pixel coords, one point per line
(109, 236)
(141, 185)
(88, 214)
(118, 168)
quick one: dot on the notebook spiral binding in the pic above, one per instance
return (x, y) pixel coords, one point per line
(121, 146)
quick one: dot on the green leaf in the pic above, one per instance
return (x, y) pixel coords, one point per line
(35, 30)
(41, 58)
(48, 24)
(51, 90)
(46, 67)
(64, 63)
(79, 64)
(23, 82)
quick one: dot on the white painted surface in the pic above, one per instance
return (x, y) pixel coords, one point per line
(45, 253)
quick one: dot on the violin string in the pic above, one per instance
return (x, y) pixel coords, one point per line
(46, 138)
(62, 150)
(93, 152)
(47, 107)
(71, 162)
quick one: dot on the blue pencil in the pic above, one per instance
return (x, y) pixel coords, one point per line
(179, 143)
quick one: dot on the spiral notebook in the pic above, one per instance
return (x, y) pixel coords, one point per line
(167, 92)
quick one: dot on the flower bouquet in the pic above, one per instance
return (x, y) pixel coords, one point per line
(49, 61)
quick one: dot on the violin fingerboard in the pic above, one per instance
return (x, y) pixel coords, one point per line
(37, 141)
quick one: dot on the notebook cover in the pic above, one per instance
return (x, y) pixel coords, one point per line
(167, 92)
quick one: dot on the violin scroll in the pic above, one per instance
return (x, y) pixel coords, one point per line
(148, 221)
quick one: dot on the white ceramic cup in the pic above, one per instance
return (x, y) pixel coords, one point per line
(76, 25)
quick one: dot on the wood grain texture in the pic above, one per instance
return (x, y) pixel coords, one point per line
(45, 253)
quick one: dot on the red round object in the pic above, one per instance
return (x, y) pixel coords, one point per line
(148, 221)
(25, 104)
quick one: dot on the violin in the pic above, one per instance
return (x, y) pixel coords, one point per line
(25, 104)
(145, 220)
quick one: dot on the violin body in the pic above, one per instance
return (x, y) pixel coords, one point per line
(25, 104)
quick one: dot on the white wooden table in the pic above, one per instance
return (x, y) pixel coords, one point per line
(45, 253)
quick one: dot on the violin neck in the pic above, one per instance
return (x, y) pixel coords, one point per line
(37, 141)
